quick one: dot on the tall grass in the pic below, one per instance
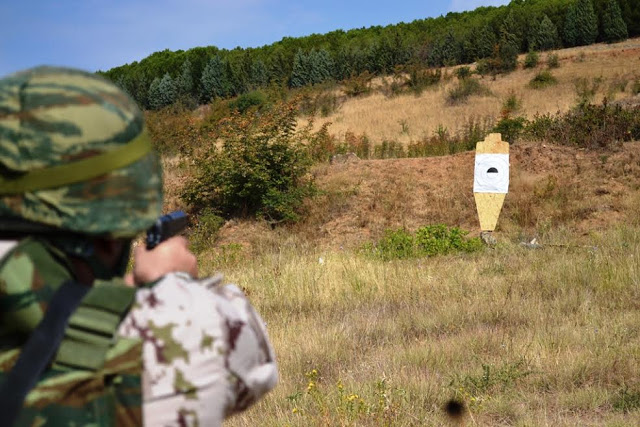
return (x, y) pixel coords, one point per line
(520, 337)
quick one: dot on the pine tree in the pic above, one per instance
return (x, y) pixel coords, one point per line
(613, 25)
(162, 92)
(213, 79)
(586, 23)
(507, 51)
(184, 81)
(259, 77)
(300, 72)
(320, 66)
(570, 27)
(485, 43)
(546, 36)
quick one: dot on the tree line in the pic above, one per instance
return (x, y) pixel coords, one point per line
(494, 35)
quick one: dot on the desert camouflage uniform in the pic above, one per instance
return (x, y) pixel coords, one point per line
(74, 156)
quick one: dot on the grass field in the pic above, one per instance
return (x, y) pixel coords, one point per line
(517, 336)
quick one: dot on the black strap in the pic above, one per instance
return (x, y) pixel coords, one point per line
(38, 351)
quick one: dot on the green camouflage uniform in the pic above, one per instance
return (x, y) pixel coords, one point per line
(74, 156)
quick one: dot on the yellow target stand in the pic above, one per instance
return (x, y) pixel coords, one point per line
(491, 180)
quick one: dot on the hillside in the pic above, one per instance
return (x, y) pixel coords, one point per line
(514, 336)
(551, 186)
(381, 117)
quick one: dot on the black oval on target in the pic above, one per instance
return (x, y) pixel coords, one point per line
(492, 170)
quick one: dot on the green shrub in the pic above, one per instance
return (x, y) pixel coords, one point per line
(586, 89)
(358, 85)
(463, 72)
(542, 80)
(430, 240)
(511, 104)
(202, 236)
(553, 61)
(421, 78)
(532, 59)
(254, 99)
(510, 128)
(464, 89)
(260, 168)
(588, 126)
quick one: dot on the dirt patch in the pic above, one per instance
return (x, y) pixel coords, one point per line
(551, 186)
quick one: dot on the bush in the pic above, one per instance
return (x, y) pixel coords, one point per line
(260, 169)
(588, 126)
(511, 104)
(358, 85)
(464, 89)
(553, 61)
(430, 240)
(463, 72)
(254, 99)
(532, 59)
(510, 128)
(542, 80)
(203, 234)
(586, 89)
(420, 78)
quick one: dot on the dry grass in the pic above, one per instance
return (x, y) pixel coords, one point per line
(408, 118)
(546, 337)
(521, 337)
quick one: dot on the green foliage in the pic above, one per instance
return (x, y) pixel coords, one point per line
(421, 78)
(255, 99)
(511, 104)
(581, 24)
(588, 126)
(495, 35)
(532, 59)
(202, 236)
(214, 82)
(184, 81)
(586, 89)
(261, 169)
(464, 89)
(542, 80)
(477, 389)
(613, 26)
(511, 128)
(358, 85)
(545, 36)
(430, 240)
(162, 92)
(553, 61)
(463, 72)
(626, 400)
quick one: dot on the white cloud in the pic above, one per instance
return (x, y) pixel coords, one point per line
(462, 5)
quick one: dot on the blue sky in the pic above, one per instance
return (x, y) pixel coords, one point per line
(101, 34)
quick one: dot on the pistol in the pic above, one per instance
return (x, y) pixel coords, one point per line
(165, 227)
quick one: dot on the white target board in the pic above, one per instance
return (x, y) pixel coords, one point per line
(491, 179)
(491, 174)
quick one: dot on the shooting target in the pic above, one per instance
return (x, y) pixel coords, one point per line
(491, 173)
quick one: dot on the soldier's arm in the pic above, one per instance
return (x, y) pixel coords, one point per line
(206, 352)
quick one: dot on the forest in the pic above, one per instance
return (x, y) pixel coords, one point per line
(490, 36)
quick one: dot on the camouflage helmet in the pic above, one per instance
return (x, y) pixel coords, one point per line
(74, 155)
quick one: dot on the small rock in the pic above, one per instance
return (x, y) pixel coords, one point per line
(488, 239)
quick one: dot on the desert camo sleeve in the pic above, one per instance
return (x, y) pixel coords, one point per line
(206, 353)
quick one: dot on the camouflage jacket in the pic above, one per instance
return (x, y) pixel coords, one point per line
(181, 352)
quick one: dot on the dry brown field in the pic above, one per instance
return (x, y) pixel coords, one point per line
(518, 336)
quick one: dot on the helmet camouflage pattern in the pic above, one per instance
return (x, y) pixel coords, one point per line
(74, 154)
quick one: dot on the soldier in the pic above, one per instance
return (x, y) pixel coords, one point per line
(78, 346)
